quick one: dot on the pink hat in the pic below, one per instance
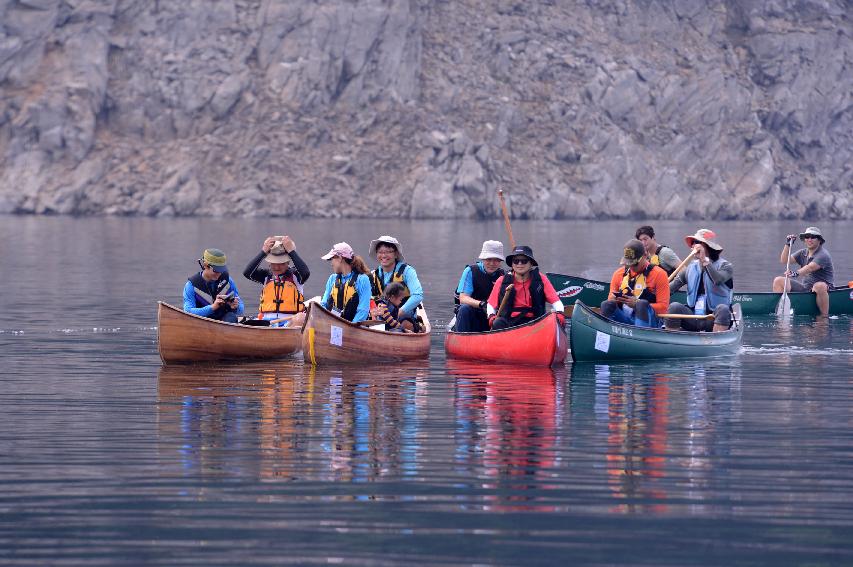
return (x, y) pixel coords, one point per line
(341, 249)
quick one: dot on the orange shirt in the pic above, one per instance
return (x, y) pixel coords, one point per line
(657, 283)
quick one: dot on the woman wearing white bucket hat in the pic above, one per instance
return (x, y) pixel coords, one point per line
(389, 253)
(709, 281)
(815, 267)
(476, 285)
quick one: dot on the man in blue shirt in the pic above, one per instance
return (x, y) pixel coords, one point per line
(211, 292)
(474, 287)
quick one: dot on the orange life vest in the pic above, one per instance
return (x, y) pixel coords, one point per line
(280, 297)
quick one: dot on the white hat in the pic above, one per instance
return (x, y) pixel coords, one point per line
(703, 235)
(814, 231)
(341, 249)
(492, 249)
(385, 239)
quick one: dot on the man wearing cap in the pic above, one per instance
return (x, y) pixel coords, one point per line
(282, 298)
(476, 285)
(523, 294)
(639, 291)
(389, 253)
(815, 268)
(211, 292)
(659, 254)
(347, 292)
(709, 280)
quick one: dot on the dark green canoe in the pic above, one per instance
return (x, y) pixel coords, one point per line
(592, 292)
(595, 338)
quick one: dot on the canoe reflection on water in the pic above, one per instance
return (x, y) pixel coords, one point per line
(659, 425)
(508, 430)
(288, 421)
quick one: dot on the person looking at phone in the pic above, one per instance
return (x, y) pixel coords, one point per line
(639, 291)
(211, 292)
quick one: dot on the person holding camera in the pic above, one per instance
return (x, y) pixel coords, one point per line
(639, 291)
(211, 292)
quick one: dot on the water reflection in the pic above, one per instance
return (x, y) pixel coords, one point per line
(508, 430)
(659, 426)
(289, 422)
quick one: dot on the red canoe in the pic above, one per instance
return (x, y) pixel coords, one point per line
(540, 342)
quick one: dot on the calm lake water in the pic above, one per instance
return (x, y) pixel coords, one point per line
(108, 459)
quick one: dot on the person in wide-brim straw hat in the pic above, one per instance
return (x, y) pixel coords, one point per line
(814, 267)
(710, 282)
(282, 295)
(211, 292)
(389, 254)
(528, 293)
(475, 285)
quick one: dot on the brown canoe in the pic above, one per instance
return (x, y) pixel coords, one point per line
(326, 338)
(184, 337)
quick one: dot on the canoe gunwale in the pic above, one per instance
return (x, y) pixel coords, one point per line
(492, 333)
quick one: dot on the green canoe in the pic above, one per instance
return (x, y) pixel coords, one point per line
(595, 338)
(592, 292)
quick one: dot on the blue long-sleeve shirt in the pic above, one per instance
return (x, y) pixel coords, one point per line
(410, 278)
(191, 306)
(362, 286)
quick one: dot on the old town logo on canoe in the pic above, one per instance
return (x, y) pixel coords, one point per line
(570, 291)
(851, 295)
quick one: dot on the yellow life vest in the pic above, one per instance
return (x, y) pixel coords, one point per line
(344, 297)
(377, 286)
(637, 285)
(280, 297)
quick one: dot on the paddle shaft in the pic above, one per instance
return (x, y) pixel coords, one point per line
(506, 219)
(681, 265)
(684, 316)
(504, 300)
(784, 303)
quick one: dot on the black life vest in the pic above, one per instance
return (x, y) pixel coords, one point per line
(377, 285)
(344, 297)
(654, 260)
(537, 296)
(638, 285)
(483, 283)
(206, 292)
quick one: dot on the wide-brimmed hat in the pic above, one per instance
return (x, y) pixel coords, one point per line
(703, 235)
(521, 251)
(385, 239)
(341, 249)
(814, 231)
(278, 255)
(492, 249)
(632, 254)
(216, 259)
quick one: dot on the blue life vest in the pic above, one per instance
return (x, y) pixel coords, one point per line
(715, 294)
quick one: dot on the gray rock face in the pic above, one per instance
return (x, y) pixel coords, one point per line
(331, 108)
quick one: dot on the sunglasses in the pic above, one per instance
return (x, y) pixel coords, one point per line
(521, 260)
(812, 236)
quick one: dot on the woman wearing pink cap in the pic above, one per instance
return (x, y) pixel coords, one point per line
(348, 289)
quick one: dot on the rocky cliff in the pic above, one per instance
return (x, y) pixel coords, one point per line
(422, 108)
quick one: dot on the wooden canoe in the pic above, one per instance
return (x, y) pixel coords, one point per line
(592, 292)
(327, 338)
(540, 342)
(596, 338)
(184, 337)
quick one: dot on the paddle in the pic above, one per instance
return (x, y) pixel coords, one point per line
(682, 264)
(506, 218)
(684, 316)
(783, 309)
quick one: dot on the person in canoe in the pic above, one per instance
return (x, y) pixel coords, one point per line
(388, 252)
(815, 268)
(388, 310)
(476, 285)
(282, 299)
(347, 292)
(709, 281)
(659, 254)
(639, 291)
(211, 292)
(523, 294)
